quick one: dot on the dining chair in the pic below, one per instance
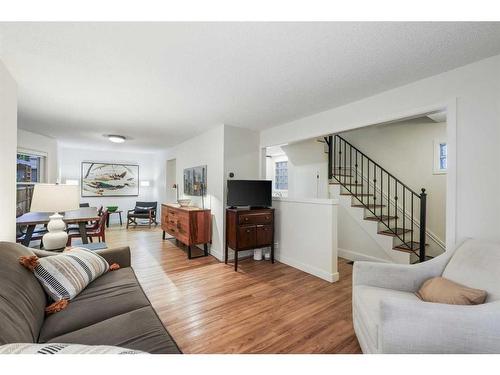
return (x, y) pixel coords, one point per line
(98, 230)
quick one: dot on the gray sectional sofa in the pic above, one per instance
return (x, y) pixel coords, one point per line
(112, 310)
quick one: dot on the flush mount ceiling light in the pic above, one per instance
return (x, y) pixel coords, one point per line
(116, 138)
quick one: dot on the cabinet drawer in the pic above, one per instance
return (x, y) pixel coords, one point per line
(246, 236)
(264, 235)
(261, 218)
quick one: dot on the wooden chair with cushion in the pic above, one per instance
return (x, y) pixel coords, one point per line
(142, 211)
(98, 231)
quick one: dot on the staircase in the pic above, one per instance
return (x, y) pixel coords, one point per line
(398, 212)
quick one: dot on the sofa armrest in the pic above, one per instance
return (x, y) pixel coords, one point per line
(421, 327)
(120, 255)
(404, 277)
(44, 253)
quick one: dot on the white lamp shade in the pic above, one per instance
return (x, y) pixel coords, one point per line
(55, 198)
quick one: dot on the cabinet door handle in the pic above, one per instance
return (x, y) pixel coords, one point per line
(267, 217)
(246, 219)
(248, 230)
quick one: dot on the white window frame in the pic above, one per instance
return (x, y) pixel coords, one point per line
(285, 160)
(437, 154)
(43, 164)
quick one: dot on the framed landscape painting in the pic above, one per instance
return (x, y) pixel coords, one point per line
(109, 180)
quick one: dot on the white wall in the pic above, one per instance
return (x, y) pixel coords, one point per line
(406, 149)
(476, 90)
(307, 169)
(151, 167)
(29, 141)
(205, 149)
(8, 145)
(241, 153)
(306, 235)
(223, 149)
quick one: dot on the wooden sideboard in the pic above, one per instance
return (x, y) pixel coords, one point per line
(189, 225)
(248, 229)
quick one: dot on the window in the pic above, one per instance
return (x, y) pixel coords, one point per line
(281, 175)
(30, 170)
(440, 157)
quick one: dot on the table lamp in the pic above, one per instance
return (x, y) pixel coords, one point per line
(55, 198)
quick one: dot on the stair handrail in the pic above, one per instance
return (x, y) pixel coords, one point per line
(422, 197)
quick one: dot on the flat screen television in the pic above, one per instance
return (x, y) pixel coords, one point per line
(253, 193)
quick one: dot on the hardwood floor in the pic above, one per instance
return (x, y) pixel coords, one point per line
(263, 308)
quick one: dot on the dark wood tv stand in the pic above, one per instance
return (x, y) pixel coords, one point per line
(248, 229)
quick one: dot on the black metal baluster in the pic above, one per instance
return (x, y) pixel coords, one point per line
(423, 208)
(374, 188)
(388, 198)
(404, 214)
(345, 161)
(381, 193)
(362, 180)
(368, 180)
(350, 166)
(330, 158)
(334, 155)
(396, 202)
(412, 226)
(356, 171)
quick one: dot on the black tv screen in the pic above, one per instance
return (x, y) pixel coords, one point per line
(255, 193)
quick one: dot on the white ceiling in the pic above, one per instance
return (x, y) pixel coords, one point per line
(161, 83)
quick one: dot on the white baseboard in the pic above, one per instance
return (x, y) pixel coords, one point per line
(218, 254)
(354, 256)
(331, 277)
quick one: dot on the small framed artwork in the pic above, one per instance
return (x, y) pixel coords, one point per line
(109, 180)
(195, 181)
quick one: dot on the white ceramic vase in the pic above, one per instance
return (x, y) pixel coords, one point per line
(57, 237)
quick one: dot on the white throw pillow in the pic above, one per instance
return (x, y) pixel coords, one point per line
(22, 348)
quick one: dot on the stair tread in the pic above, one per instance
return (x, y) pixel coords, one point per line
(347, 183)
(427, 257)
(378, 218)
(342, 175)
(369, 205)
(359, 195)
(409, 248)
(394, 231)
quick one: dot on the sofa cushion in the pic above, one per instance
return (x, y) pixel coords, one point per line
(22, 300)
(476, 265)
(366, 300)
(140, 329)
(112, 294)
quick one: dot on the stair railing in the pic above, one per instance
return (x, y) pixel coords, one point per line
(384, 195)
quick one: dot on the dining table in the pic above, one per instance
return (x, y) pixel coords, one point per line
(79, 216)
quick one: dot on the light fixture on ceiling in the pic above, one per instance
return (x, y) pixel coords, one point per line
(116, 138)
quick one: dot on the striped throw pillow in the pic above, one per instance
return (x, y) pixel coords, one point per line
(65, 275)
(22, 348)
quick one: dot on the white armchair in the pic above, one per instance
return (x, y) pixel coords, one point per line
(389, 318)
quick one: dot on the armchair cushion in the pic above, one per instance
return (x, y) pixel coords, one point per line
(441, 290)
(145, 208)
(476, 264)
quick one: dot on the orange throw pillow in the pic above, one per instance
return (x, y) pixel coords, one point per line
(441, 290)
